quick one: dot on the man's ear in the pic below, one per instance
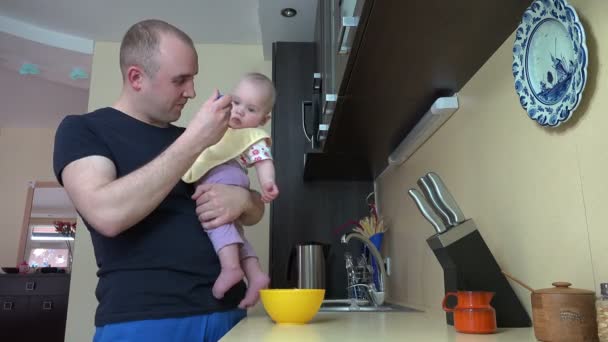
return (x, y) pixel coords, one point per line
(265, 119)
(135, 77)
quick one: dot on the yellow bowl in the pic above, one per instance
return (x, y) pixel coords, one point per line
(295, 306)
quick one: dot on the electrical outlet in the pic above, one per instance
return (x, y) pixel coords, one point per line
(387, 265)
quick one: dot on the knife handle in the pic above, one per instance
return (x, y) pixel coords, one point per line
(431, 196)
(426, 211)
(444, 195)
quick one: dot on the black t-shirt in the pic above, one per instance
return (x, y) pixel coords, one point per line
(165, 265)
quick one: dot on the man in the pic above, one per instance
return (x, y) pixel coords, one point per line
(121, 167)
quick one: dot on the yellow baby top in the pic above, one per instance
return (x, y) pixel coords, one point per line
(232, 144)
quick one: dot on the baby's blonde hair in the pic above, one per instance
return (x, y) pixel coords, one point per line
(262, 80)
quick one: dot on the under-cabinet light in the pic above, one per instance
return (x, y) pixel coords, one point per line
(440, 112)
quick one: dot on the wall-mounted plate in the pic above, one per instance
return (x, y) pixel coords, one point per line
(550, 61)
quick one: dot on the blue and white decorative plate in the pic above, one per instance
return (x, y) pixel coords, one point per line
(550, 61)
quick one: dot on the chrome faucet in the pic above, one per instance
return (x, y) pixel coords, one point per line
(376, 295)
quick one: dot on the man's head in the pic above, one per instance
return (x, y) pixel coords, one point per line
(158, 62)
(140, 45)
(252, 101)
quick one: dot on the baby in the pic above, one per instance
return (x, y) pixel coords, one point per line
(244, 145)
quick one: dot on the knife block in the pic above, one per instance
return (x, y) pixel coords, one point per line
(468, 265)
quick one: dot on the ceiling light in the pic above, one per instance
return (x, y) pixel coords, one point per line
(50, 237)
(29, 69)
(78, 74)
(288, 12)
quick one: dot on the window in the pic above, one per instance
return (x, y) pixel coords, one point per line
(49, 257)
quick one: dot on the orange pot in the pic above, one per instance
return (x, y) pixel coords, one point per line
(473, 313)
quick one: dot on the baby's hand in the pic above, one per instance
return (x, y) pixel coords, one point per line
(270, 191)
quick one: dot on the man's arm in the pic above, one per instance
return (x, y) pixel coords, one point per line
(254, 211)
(113, 205)
(218, 204)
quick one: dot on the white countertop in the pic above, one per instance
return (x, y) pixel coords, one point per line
(366, 326)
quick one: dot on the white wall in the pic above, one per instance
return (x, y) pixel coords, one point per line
(25, 155)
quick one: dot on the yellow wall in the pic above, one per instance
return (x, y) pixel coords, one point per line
(538, 195)
(25, 155)
(220, 66)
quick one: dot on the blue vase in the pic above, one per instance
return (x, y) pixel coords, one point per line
(376, 239)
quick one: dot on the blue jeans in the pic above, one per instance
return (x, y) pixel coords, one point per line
(202, 328)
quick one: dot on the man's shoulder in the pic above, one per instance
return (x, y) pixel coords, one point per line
(75, 119)
(96, 114)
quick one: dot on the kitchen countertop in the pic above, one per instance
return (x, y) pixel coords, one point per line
(372, 326)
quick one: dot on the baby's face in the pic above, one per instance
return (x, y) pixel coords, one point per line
(250, 104)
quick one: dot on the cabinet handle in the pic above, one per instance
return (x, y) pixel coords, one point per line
(47, 305)
(330, 104)
(304, 105)
(323, 129)
(316, 82)
(8, 306)
(347, 23)
(30, 286)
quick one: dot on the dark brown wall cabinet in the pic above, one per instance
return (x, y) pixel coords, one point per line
(33, 307)
(402, 55)
(305, 211)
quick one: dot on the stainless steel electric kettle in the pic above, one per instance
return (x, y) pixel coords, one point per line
(310, 258)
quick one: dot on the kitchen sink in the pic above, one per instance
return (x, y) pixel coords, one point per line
(344, 305)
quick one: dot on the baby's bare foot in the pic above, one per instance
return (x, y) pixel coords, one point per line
(254, 285)
(228, 278)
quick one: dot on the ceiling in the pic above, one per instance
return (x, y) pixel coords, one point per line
(206, 21)
(59, 35)
(52, 202)
(55, 64)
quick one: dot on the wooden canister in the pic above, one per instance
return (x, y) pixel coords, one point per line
(564, 314)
